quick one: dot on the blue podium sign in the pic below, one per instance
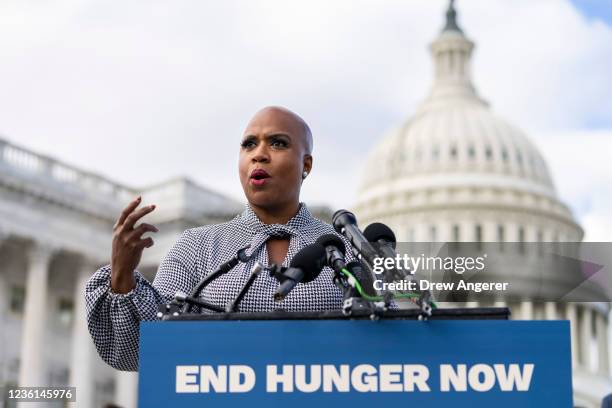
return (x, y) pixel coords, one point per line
(324, 363)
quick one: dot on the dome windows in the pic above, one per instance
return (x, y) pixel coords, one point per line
(504, 155)
(520, 162)
(471, 152)
(489, 153)
(453, 152)
(532, 165)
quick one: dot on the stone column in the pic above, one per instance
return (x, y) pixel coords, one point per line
(82, 358)
(32, 370)
(489, 231)
(601, 327)
(573, 319)
(550, 311)
(526, 310)
(586, 336)
(4, 296)
(126, 389)
(444, 231)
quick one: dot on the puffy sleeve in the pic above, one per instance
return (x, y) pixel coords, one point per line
(114, 319)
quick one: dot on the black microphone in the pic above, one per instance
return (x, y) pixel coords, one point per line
(335, 250)
(379, 232)
(305, 266)
(382, 235)
(346, 224)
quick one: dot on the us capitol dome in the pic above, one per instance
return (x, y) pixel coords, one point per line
(455, 171)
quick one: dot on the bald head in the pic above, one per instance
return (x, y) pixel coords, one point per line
(284, 116)
(278, 143)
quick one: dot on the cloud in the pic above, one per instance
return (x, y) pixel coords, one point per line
(146, 90)
(580, 161)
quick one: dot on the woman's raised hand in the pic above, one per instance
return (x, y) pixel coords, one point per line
(128, 245)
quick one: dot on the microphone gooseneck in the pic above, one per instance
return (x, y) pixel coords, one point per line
(255, 271)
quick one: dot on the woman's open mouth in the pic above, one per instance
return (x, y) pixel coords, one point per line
(259, 177)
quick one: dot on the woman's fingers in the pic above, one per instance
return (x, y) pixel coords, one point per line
(135, 216)
(141, 229)
(128, 210)
(145, 243)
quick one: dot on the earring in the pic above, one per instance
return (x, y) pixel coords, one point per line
(304, 174)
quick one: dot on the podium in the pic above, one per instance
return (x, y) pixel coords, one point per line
(459, 358)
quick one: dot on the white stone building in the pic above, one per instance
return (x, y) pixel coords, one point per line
(55, 230)
(454, 171)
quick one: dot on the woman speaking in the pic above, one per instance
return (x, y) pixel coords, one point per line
(275, 158)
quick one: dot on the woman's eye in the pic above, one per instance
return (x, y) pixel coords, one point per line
(247, 144)
(279, 143)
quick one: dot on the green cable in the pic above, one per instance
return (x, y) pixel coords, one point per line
(379, 298)
(359, 288)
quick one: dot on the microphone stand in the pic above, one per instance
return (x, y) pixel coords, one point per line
(241, 256)
(391, 274)
(255, 271)
(351, 298)
(345, 223)
(184, 303)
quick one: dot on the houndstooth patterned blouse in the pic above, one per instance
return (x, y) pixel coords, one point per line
(114, 319)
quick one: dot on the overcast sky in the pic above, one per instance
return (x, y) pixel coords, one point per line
(143, 91)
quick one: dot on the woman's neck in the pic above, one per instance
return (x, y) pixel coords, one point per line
(276, 215)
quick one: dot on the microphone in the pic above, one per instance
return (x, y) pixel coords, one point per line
(335, 250)
(385, 238)
(346, 224)
(379, 232)
(382, 235)
(305, 266)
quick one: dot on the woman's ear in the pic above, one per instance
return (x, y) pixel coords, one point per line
(307, 165)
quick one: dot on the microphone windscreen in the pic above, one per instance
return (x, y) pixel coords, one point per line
(377, 230)
(332, 239)
(342, 218)
(310, 260)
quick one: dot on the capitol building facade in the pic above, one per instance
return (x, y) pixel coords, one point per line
(454, 171)
(55, 230)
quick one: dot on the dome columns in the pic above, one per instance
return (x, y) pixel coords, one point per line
(592, 328)
(572, 315)
(585, 325)
(601, 333)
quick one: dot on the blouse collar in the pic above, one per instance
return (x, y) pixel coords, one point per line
(300, 220)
